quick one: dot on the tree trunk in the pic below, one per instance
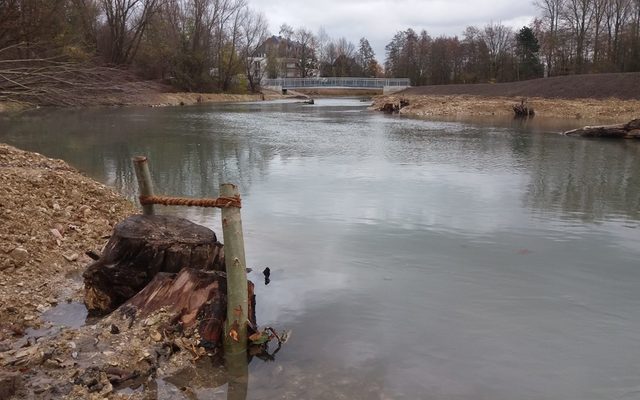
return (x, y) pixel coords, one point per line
(630, 130)
(141, 247)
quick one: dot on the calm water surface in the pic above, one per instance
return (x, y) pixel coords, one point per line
(412, 259)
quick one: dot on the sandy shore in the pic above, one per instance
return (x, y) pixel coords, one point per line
(469, 105)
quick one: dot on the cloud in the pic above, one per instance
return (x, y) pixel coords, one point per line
(379, 20)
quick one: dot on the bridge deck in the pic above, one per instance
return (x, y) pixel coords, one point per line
(364, 83)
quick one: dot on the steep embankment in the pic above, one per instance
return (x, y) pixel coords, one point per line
(592, 86)
(595, 96)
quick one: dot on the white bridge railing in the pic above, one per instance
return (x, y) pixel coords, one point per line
(290, 83)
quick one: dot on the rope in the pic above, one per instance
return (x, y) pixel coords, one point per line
(220, 202)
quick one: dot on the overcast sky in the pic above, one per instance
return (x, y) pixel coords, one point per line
(379, 20)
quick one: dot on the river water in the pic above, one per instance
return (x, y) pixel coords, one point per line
(412, 259)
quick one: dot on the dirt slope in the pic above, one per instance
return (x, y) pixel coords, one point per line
(49, 216)
(624, 86)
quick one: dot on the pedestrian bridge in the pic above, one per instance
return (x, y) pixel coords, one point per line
(388, 85)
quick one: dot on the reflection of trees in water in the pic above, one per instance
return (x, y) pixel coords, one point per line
(189, 154)
(586, 178)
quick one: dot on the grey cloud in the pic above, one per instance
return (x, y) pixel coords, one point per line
(379, 20)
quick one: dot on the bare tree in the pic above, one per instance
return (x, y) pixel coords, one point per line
(226, 20)
(578, 14)
(617, 13)
(126, 21)
(599, 9)
(305, 47)
(255, 31)
(498, 39)
(551, 10)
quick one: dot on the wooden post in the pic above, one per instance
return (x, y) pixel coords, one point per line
(143, 176)
(237, 292)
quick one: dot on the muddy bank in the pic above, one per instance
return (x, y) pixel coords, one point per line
(624, 86)
(184, 98)
(156, 98)
(474, 105)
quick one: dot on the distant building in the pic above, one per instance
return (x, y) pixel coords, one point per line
(276, 58)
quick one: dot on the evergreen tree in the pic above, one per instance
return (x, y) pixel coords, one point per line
(367, 59)
(527, 48)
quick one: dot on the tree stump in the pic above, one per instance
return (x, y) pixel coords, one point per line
(196, 299)
(141, 247)
(523, 110)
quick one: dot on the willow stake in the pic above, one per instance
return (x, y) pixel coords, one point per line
(237, 291)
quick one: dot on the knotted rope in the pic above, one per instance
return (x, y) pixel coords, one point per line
(220, 202)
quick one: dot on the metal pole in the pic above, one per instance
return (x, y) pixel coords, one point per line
(237, 287)
(143, 176)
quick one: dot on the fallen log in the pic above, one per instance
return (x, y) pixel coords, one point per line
(630, 130)
(141, 247)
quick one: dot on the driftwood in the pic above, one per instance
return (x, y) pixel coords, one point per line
(141, 247)
(523, 109)
(630, 130)
(196, 298)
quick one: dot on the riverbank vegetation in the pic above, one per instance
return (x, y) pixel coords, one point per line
(66, 52)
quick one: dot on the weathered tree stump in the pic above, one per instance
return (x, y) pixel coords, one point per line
(523, 109)
(394, 107)
(141, 247)
(630, 130)
(196, 298)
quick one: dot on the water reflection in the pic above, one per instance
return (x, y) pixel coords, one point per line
(193, 150)
(585, 179)
(208, 377)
